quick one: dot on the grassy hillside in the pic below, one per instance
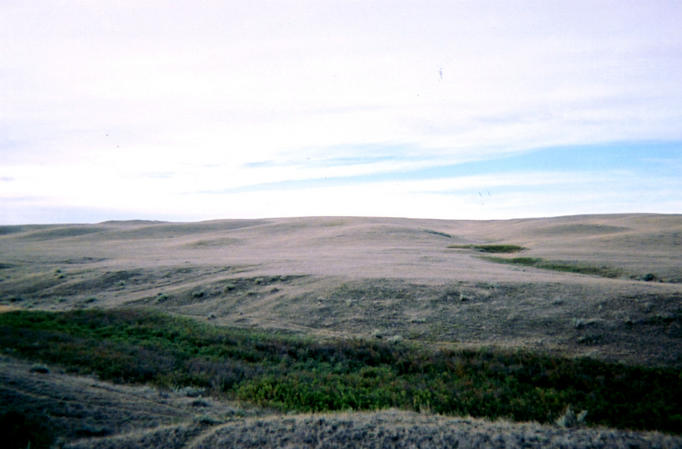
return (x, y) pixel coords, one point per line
(569, 319)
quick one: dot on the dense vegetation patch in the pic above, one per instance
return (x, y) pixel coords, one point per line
(293, 373)
(571, 267)
(499, 248)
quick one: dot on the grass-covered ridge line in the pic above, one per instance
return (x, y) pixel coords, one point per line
(571, 267)
(293, 373)
(493, 248)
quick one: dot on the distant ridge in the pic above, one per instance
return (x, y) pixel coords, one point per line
(132, 222)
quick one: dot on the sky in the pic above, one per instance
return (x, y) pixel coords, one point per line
(194, 110)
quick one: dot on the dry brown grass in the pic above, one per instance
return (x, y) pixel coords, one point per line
(6, 308)
(373, 277)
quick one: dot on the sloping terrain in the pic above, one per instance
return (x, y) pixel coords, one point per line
(377, 277)
(606, 287)
(82, 412)
(72, 408)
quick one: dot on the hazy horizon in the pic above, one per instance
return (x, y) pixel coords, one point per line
(190, 111)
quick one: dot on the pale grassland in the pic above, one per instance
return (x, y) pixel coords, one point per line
(385, 279)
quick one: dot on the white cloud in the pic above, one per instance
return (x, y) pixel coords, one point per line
(108, 92)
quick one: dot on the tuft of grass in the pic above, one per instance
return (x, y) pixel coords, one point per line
(499, 248)
(295, 373)
(571, 267)
(570, 419)
(40, 368)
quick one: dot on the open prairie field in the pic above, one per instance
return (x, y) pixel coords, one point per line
(384, 305)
